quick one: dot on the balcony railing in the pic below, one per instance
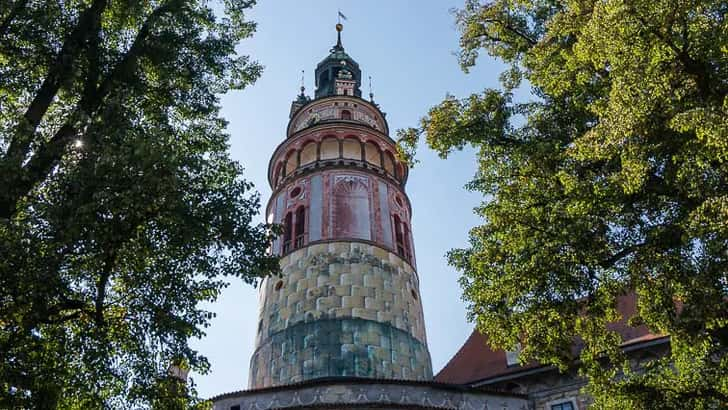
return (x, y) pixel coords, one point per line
(299, 241)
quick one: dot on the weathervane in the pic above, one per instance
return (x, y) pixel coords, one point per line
(339, 27)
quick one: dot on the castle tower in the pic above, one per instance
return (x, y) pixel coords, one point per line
(342, 326)
(347, 302)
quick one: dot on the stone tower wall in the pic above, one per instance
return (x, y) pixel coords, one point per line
(340, 309)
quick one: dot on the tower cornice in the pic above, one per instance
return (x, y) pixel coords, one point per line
(355, 99)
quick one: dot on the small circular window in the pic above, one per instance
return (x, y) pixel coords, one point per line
(296, 192)
(278, 285)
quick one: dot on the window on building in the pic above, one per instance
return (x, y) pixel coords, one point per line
(512, 356)
(235, 407)
(406, 242)
(287, 232)
(295, 192)
(300, 227)
(566, 405)
(401, 238)
(345, 114)
(294, 229)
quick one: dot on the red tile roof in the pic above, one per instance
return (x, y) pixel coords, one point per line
(476, 360)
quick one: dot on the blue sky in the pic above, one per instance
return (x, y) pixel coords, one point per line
(407, 48)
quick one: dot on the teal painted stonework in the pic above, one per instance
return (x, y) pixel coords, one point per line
(340, 309)
(339, 347)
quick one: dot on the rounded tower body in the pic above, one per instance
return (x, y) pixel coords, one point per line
(347, 302)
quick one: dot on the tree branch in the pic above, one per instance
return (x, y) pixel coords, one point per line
(101, 285)
(58, 73)
(41, 163)
(697, 69)
(512, 30)
(5, 25)
(609, 262)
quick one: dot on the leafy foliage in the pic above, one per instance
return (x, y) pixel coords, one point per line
(614, 180)
(120, 209)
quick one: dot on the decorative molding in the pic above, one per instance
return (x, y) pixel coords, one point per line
(397, 394)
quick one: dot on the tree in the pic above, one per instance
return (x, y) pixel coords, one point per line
(120, 209)
(613, 180)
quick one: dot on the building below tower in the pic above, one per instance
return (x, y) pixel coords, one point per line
(476, 365)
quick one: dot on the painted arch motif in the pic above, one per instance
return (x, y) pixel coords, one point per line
(350, 207)
(312, 149)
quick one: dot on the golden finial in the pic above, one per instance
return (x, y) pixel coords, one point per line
(339, 27)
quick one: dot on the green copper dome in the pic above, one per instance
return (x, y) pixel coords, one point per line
(337, 65)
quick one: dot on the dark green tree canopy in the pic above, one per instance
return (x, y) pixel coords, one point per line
(614, 179)
(120, 209)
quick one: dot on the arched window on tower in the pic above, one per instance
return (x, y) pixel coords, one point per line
(401, 238)
(294, 229)
(300, 228)
(287, 232)
(345, 114)
(406, 242)
(398, 240)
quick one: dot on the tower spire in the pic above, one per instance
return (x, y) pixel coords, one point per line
(303, 87)
(339, 28)
(338, 73)
(371, 93)
(301, 99)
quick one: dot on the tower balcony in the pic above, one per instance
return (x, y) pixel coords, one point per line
(337, 144)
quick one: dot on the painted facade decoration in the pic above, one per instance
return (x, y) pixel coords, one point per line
(350, 393)
(349, 110)
(347, 303)
(345, 203)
